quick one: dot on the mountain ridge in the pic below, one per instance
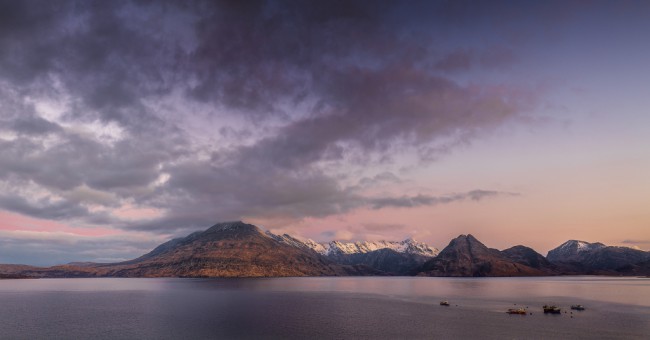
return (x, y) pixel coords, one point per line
(237, 249)
(408, 246)
(580, 257)
(466, 256)
(390, 257)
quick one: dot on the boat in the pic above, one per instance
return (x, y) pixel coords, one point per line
(578, 307)
(552, 309)
(444, 303)
(521, 311)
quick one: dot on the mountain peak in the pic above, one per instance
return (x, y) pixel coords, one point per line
(411, 246)
(233, 226)
(229, 226)
(466, 241)
(472, 238)
(466, 236)
(234, 229)
(582, 244)
(568, 250)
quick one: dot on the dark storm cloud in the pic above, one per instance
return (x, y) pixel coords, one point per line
(107, 61)
(24, 30)
(250, 55)
(341, 80)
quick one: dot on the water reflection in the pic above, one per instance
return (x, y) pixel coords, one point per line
(633, 291)
(321, 307)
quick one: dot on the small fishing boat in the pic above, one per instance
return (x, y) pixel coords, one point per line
(520, 311)
(578, 307)
(444, 303)
(552, 309)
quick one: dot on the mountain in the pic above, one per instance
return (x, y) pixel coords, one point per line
(466, 256)
(596, 258)
(232, 249)
(572, 250)
(390, 257)
(529, 257)
(237, 249)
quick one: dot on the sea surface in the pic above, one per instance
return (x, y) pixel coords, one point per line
(323, 308)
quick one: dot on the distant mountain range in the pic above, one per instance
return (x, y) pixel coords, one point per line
(237, 249)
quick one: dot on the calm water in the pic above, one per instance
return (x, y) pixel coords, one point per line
(343, 308)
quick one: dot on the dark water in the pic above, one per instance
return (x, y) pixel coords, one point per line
(343, 308)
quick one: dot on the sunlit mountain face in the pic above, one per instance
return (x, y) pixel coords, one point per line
(126, 124)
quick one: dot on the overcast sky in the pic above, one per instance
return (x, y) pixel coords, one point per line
(126, 123)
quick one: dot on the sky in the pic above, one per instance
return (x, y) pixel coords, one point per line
(126, 123)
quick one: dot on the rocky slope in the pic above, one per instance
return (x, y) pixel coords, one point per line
(466, 256)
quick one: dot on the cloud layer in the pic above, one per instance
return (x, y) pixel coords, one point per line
(202, 111)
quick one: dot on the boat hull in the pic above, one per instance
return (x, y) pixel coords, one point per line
(517, 311)
(552, 310)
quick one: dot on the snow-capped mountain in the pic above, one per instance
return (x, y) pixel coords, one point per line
(596, 258)
(572, 249)
(408, 246)
(389, 257)
(333, 248)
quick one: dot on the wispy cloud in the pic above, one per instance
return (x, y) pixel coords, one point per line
(427, 200)
(645, 244)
